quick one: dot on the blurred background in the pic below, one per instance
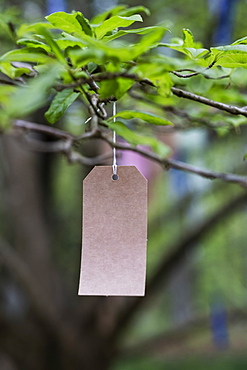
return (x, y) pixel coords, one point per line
(194, 313)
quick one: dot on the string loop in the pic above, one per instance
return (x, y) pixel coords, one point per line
(114, 140)
(114, 161)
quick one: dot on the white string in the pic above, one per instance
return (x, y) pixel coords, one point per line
(114, 161)
(89, 119)
(114, 139)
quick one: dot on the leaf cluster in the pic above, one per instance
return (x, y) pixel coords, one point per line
(68, 58)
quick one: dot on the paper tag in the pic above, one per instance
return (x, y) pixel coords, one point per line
(114, 233)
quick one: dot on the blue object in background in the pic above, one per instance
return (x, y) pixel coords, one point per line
(179, 179)
(219, 327)
(55, 6)
(224, 11)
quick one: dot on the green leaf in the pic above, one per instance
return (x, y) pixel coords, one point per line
(5, 27)
(187, 45)
(65, 43)
(159, 74)
(54, 46)
(26, 55)
(124, 84)
(138, 31)
(33, 96)
(149, 41)
(115, 22)
(147, 117)
(230, 56)
(134, 10)
(27, 29)
(188, 39)
(60, 104)
(8, 69)
(75, 40)
(108, 88)
(32, 43)
(115, 87)
(99, 53)
(99, 18)
(81, 57)
(243, 41)
(135, 139)
(121, 10)
(120, 52)
(5, 93)
(85, 25)
(70, 23)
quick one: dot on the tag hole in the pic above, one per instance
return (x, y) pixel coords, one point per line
(115, 177)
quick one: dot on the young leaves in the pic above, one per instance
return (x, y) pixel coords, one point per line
(138, 31)
(127, 12)
(231, 56)
(72, 23)
(187, 46)
(120, 10)
(115, 22)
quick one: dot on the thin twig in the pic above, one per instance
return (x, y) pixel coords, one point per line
(31, 126)
(196, 73)
(64, 145)
(178, 113)
(36, 127)
(212, 103)
(75, 157)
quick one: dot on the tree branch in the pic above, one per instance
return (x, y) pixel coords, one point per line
(75, 157)
(66, 148)
(212, 103)
(173, 163)
(60, 146)
(196, 73)
(31, 126)
(178, 113)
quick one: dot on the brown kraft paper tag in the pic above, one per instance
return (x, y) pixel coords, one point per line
(114, 233)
